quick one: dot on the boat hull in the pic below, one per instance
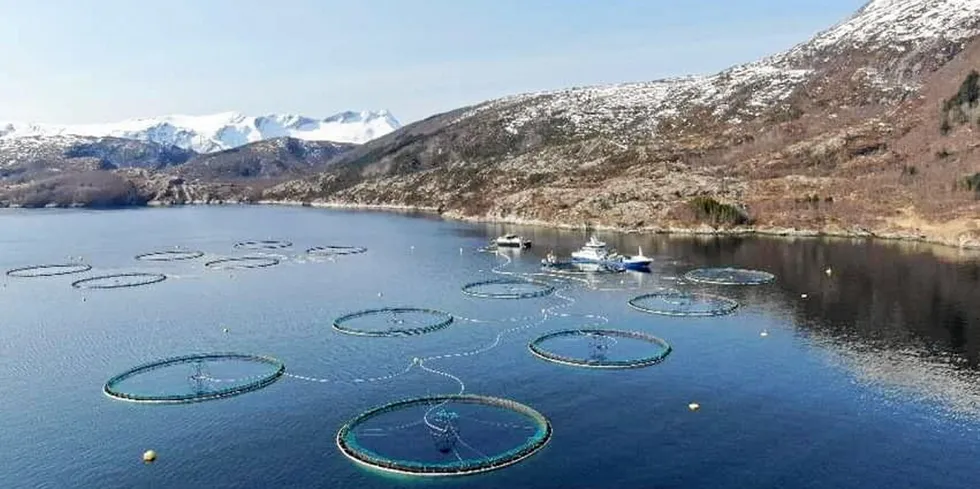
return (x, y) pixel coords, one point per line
(639, 265)
(510, 244)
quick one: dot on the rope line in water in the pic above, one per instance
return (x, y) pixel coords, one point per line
(382, 378)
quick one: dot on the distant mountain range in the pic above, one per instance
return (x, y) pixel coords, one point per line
(218, 132)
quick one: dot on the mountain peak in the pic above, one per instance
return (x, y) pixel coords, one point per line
(222, 130)
(894, 23)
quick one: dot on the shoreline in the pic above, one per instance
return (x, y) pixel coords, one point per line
(702, 230)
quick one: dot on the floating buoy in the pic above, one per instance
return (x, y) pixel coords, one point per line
(149, 456)
(803, 296)
(460, 251)
(694, 406)
(828, 271)
(226, 330)
(380, 294)
(764, 333)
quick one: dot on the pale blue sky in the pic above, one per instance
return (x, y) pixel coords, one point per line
(73, 61)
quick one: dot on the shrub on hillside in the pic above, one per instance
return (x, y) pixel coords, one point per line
(959, 108)
(710, 211)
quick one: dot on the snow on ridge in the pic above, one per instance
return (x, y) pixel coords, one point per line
(610, 108)
(225, 130)
(760, 84)
(883, 23)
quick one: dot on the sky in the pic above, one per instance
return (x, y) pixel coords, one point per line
(79, 61)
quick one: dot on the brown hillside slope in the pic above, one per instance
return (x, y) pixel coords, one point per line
(838, 135)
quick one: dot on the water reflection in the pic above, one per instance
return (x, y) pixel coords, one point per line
(898, 314)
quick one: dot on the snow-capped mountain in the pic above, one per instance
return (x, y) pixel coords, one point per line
(217, 132)
(892, 40)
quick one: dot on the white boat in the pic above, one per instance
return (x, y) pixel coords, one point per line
(595, 251)
(512, 241)
(638, 261)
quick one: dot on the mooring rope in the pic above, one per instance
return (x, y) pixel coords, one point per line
(382, 378)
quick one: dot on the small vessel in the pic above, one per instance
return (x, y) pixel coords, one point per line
(638, 261)
(512, 241)
(594, 251)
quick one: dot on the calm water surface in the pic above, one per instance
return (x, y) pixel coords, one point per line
(868, 381)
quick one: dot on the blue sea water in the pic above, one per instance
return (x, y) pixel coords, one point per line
(869, 381)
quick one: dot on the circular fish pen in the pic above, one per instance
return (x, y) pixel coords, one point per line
(243, 262)
(267, 244)
(447, 435)
(194, 378)
(172, 255)
(507, 288)
(335, 250)
(671, 302)
(207, 377)
(729, 276)
(49, 270)
(566, 347)
(393, 321)
(119, 280)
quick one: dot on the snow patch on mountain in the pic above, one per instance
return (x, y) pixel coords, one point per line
(894, 22)
(743, 92)
(640, 106)
(226, 130)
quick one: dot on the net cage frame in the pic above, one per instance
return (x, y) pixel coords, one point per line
(279, 369)
(335, 250)
(264, 244)
(170, 255)
(338, 323)
(269, 261)
(367, 458)
(767, 278)
(731, 305)
(72, 269)
(152, 278)
(535, 347)
(545, 289)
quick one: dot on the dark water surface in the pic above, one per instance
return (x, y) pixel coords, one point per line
(870, 380)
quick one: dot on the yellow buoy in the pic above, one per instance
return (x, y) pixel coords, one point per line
(149, 456)
(694, 406)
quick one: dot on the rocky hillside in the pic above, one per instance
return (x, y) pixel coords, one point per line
(31, 158)
(272, 159)
(836, 135)
(82, 171)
